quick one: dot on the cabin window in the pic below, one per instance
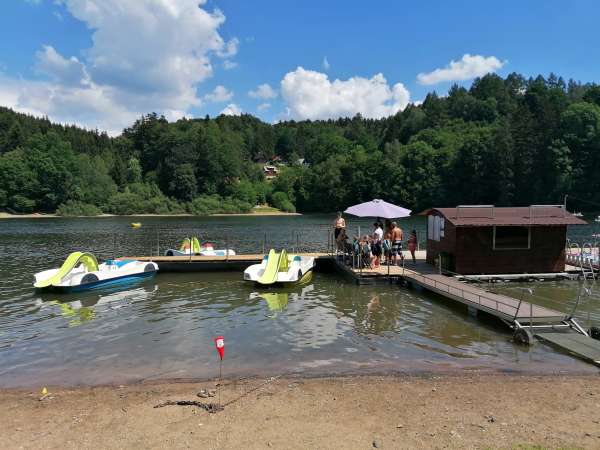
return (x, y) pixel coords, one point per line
(512, 238)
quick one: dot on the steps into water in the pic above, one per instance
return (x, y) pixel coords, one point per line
(578, 344)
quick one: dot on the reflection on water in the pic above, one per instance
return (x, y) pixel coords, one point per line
(163, 328)
(278, 299)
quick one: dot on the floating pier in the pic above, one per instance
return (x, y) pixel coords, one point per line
(578, 344)
(198, 263)
(525, 318)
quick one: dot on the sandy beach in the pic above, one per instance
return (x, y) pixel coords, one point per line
(450, 411)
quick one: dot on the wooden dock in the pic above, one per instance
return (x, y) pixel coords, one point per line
(508, 309)
(578, 344)
(197, 263)
(525, 318)
(425, 276)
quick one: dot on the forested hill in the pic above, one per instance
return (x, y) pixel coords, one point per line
(503, 141)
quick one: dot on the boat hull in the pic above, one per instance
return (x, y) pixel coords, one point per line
(306, 278)
(101, 284)
(275, 271)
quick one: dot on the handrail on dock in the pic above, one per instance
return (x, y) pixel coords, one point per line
(462, 293)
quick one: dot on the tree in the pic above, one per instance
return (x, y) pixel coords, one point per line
(183, 185)
(134, 171)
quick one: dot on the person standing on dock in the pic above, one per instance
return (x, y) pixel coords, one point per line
(387, 242)
(412, 245)
(339, 224)
(376, 243)
(397, 237)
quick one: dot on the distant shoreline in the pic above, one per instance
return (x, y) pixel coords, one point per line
(5, 215)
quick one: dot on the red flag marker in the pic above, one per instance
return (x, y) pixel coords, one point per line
(220, 345)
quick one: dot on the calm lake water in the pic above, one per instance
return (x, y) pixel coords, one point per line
(163, 328)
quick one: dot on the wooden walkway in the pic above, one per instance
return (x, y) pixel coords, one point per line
(518, 314)
(198, 258)
(424, 275)
(502, 306)
(197, 263)
(577, 344)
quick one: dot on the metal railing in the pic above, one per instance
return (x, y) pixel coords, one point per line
(466, 294)
(533, 207)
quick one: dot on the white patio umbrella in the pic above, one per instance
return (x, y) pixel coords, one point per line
(378, 208)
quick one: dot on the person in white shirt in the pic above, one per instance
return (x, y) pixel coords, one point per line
(376, 243)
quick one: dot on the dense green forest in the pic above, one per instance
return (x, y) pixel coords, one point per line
(511, 141)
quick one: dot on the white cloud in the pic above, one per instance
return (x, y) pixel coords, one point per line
(470, 66)
(219, 94)
(264, 91)
(85, 106)
(228, 65)
(231, 110)
(229, 49)
(146, 55)
(311, 95)
(263, 106)
(326, 64)
(61, 70)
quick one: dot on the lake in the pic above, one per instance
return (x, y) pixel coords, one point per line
(163, 327)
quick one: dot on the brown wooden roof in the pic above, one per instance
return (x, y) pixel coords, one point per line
(467, 216)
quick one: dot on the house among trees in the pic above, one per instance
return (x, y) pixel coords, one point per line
(270, 172)
(489, 240)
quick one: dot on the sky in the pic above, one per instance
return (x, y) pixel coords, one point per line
(103, 63)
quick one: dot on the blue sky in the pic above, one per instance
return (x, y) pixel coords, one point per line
(102, 63)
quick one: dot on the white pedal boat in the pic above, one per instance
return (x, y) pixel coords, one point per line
(281, 268)
(194, 248)
(81, 271)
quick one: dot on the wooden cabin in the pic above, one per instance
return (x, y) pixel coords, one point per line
(489, 240)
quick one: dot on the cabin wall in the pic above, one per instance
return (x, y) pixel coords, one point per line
(447, 244)
(474, 252)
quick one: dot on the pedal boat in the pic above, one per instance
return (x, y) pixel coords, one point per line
(194, 248)
(281, 268)
(81, 272)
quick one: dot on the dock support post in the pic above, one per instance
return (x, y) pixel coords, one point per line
(531, 318)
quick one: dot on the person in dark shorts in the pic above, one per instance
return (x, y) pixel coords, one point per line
(397, 237)
(377, 243)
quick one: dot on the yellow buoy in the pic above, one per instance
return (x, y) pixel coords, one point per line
(136, 224)
(44, 391)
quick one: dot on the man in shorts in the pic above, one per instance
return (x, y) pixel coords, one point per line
(397, 237)
(339, 225)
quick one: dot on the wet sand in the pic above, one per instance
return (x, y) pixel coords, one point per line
(450, 411)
